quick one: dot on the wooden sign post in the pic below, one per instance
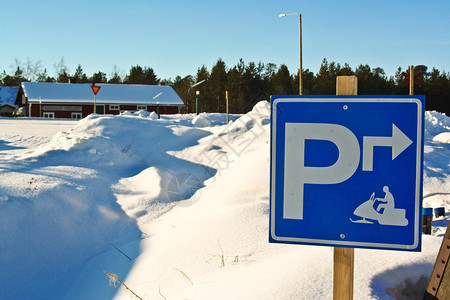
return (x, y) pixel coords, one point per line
(411, 80)
(343, 265)
(343, 270)
(226, 98)
(439, 284)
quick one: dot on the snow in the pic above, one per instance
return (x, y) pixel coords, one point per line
(176, 207)
(201, 120)
(442, 138)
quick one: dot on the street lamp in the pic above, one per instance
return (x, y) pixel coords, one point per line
(157, 105)
(300, 84)
(197, 102)
(197, 93)
(157, 110)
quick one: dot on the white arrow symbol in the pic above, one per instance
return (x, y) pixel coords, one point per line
(398, 141)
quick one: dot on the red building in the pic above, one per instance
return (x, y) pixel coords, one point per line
(76, 101)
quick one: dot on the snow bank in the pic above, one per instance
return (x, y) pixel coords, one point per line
(201, 120)
(436, 123)
(61, 210)
(177, 208)
(443, 137)
(436, 164)
(54, 220)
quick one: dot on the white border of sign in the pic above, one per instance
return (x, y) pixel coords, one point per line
(418, 188)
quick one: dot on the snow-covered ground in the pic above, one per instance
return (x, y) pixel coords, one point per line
(176, 208)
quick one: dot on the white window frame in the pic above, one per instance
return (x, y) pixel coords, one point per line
(77, 115)
(114, 107)
(141, 107)
(48, 115)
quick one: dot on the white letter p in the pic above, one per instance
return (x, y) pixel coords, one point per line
(296, 175)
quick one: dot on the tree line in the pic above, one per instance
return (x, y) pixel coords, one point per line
(248, 83)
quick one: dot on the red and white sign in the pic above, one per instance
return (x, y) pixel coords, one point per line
(95, 89)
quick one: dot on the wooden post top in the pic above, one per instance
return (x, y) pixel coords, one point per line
(346, 85)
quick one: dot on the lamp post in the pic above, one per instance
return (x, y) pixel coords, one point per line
(197, 93)
(197, 102)
(157, 110)
(300, 83)
(157, 104)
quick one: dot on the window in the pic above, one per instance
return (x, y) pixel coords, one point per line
(142, 107)
(50, 115)
(62, 108)
(77, 115)
(114, 107)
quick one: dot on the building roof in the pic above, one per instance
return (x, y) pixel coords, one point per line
(108, 94)
(8, 95)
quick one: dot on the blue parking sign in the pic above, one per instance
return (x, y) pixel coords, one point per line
(346, 171)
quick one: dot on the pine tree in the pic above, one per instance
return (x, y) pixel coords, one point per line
(79, 76)
(308, 82)
(325, 82)
(217, 83)
(234, 78)
(181, 87)
(138, 75)
(252, 85)
(150, 77)
(282, 82)
(43, 77)
(205, 96)
(268, 75)
(114, 76)
(98, 77)
(437, 90)
(14, 80)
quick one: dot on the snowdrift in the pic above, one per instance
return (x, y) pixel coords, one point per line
(177, 207)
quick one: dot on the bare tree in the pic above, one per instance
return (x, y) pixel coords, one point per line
(117, 75)
(31, 70)
(62, 72)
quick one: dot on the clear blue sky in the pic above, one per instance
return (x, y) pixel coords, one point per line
(176, 37)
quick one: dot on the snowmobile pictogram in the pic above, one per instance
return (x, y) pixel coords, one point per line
(382, 210)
